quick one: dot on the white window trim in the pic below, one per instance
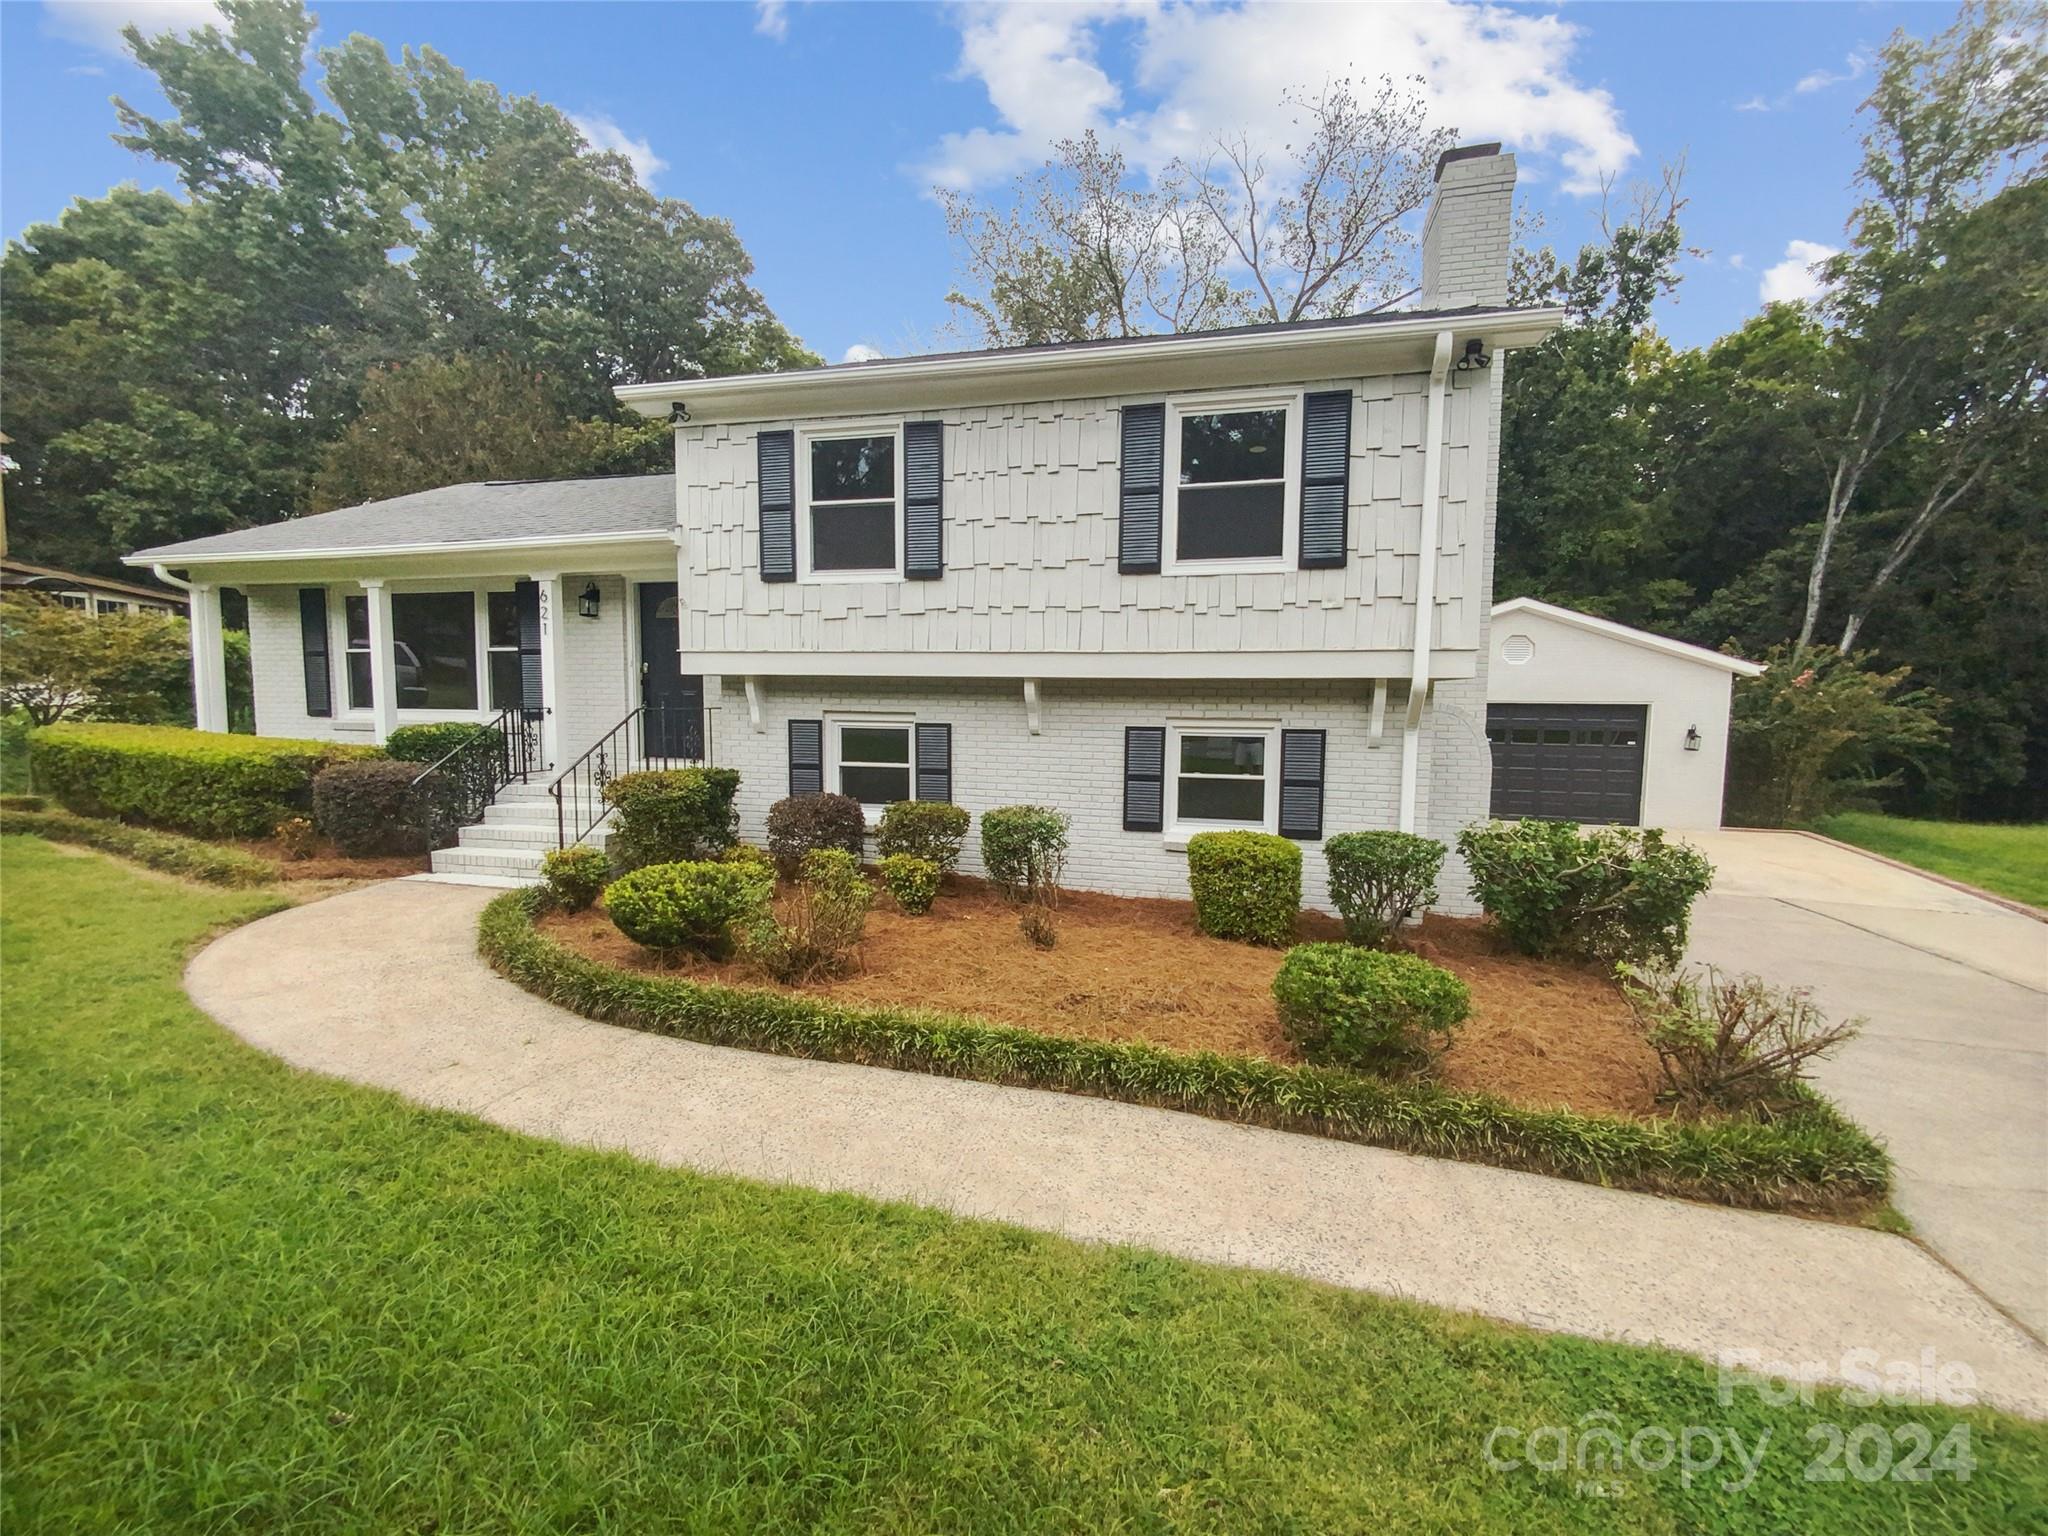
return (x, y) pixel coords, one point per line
(349, 717)
(1179, 831)
(837, 721)
(825, 432)
(1290, 497)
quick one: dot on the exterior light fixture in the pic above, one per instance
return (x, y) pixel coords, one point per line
(1692, 738)
(1476, 356)
(587, 603)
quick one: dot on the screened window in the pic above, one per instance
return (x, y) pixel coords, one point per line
(1231, 492)
(72, 600)
(433, 643)
(355, 613)
(852, 504)
(1221, 777)
(501, 624)
(874, 762)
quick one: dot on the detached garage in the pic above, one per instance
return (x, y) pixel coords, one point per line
(1592, 721)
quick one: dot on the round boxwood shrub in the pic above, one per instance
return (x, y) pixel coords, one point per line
(801, 824)
(1612, 895)
(1247, 885)
(925, 829)
(913, 881)
(1024, 848)
(1378, 878)
(671, 816)
(376, 807)
(575, 876)
(692, 904)
(1350, 1007)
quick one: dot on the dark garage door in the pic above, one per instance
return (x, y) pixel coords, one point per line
(1567, 762)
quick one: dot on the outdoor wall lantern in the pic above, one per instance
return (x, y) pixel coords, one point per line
(1692, 738)
(587, 603)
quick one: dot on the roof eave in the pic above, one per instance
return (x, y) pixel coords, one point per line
(174, 555)
(1662, 644)
(984, 377)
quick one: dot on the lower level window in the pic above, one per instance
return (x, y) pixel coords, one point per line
(433, 640)
(874, 761)
(1221, 777)
(508, 689)
(355, 613)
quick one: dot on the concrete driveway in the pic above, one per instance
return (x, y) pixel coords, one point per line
(1952, 1069)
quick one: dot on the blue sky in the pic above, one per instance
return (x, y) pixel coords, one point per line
(819, 129)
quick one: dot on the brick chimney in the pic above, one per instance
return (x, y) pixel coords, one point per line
(1471, 220)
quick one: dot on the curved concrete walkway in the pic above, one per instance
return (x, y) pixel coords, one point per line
(382, 986)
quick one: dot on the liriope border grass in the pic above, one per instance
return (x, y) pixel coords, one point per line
(1812, 1161)
(165, 851)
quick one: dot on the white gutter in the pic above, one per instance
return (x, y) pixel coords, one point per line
(164, 576)
(1425, 578)
(383, 551)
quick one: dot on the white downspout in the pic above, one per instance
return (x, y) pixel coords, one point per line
(1425, 578)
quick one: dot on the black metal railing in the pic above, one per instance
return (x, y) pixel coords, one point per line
(652, 736)
(508, 748)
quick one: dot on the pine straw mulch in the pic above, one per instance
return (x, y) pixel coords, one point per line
(1541, 1034)
(328, 863)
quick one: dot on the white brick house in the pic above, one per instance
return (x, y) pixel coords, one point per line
(1168, 583)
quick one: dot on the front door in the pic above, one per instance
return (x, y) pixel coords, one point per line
(674, 722)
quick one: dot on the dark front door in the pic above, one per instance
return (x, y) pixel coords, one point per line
(675, 704)
(1567, 762)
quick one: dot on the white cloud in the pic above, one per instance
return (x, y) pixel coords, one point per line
(1489, 72)
(1792, 280)
(771, 18)
(1754, 104)
(601, 133)
(98, 23)
(84, 69)
(1853, 68)
(861, 352)
(1738, 261)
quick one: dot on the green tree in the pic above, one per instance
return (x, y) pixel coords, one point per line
(59, 663)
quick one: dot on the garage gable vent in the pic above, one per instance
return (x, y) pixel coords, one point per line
(1517, 649)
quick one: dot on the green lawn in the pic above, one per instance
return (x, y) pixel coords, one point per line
(2012, 861)
(238, 1298)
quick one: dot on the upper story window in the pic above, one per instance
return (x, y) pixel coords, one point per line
(851, 494)
(1231, 478)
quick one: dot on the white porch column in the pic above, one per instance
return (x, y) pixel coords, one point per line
(383, 661)
(552, 670)
(209, 664)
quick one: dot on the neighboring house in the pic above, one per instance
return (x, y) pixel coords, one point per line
(1593, 721)
(1239, 578)
(89, 594)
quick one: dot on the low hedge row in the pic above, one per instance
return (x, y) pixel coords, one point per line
(204, 782)
(1812, 1160)
(167, 851)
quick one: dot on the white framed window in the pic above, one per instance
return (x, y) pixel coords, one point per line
(501, 647)
(355, 635)
(872, 759)
(1221, 776)
(850, 502)
(1232, 477)
(455, 650)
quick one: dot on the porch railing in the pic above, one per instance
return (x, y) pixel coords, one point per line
(652, 736)
(508, 748)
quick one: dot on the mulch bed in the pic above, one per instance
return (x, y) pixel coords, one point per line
(329, 864)
(1541, 1034)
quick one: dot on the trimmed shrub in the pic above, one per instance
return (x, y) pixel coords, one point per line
(204, 782)
(16, 730)
(431, 743)
(924, 829)
(1351, 1007)
(817, 927)
(691, 904)
(671, 816)
(748, 854)
(296, 838)
(23, 803)
(375, 808)
(800, 824)
(166, 851)
(574, 876)
(913, 881)
(1377, 879)
(1810, 1159)
(1024, 847)
(1729, 1043)
(1247, 886)
(1615, 894)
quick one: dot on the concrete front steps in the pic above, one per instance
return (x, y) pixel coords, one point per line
(508, 844)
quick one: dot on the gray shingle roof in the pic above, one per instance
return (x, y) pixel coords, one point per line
(490, 512)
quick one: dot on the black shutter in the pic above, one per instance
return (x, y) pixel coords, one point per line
(1144, 778)
(313, 646)
(934, 762)
(1325, 479)
(806, 757)
(1301, 784)
(1142, 475)
(924, 478)
(777, 452)
(526, 594)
